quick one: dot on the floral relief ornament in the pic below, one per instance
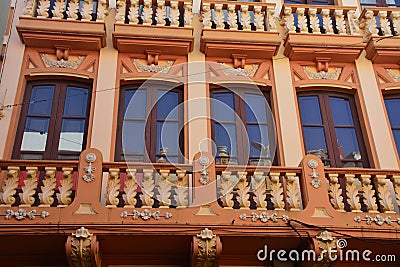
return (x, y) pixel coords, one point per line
(22, 214)
(315, 182)
(89, 177)
(264, 217)
(146, 215)
(378, 220)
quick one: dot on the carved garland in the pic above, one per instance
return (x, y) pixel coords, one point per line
(323, 75)
(22, 214)
(264, 217)
(239, 71)
(378, 220)
(152, 67)
(145, 215)
(61, 63)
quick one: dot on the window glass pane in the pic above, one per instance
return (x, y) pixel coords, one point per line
(167, 105)
(225, 135)
(259, 135)
(347, 142)
(341, 111)
(31, 156)
(309, 110)
(76, 101)
(224, 108)
(133, 136)
(167, 136)
(135, 104)
(35, 134)
(71, 137)
(44, 97)
(396, 135)
(393, 111)
(255, 108)
(314, 138)
(368, 2)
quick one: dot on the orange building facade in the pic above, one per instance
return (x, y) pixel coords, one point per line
(212, 133)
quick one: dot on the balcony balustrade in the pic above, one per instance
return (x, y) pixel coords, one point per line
(63, 191)
(363, 190)
(157, 12)
(84, 10)
(272, 189)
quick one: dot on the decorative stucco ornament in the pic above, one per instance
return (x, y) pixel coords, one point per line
(89, 177)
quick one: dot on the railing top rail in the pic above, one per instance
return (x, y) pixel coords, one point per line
(249, 169)
(142, 165)
(376, 10)
(358, 171)
(40, 164)
(238, 4)
(294, 7)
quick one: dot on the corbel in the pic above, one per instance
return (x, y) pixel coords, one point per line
(82, 249)
(322, 64)
(62, 53)
(152, 57)
(207, 248)
(239, 60)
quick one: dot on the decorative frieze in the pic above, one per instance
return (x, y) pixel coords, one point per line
(152, 67)
(323, 75)
(377, 219)
(21, 214)
(239, 71)
(264, 217)
(146, 215)
(73, 64)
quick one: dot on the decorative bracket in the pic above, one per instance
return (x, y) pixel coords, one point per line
(207, 247)
(152, 57)
(204, 161)
(322, 64)
(315, 182)
(239, 60)
(62, 53)
(82, 249)
(89, 177)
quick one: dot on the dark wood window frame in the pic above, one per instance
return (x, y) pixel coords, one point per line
(392, 127)
(151, 124)
(240, 110)
(329, 127)
(56, 118)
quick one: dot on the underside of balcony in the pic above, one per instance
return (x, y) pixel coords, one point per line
(53, 33)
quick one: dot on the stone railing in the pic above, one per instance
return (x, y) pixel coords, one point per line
(380, 22)
(247, 16)
(147, 185)
(320, 19)
(272, 189)
(83, 10)
(43, 183)
(364, 190)
(156, 12)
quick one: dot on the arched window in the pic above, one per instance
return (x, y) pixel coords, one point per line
(150, 124)
(243, 124)
(54, 120)
(331, 129)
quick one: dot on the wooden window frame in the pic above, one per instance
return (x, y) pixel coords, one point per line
(329, 127)
(392, 128)
(150, 125)
(51, 151)
(240, 110)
